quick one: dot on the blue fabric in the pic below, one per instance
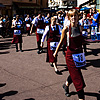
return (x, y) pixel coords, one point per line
(96, 23)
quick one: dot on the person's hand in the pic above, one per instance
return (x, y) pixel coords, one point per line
(41, 45)
(30, 33)
(54, 55)
(91, 17)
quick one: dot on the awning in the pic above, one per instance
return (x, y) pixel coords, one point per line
(84, 8)
(89, 1)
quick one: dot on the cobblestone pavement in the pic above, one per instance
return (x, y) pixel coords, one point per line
(26, 76)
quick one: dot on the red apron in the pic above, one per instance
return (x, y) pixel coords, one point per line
(28, 23)
(52, 38)
(75, 46)
(17, 38)
(40, 25)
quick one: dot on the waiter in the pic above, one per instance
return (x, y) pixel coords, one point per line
(28, 24)
(17, 36)
(53, 36)
(39, 22)
(75, 58)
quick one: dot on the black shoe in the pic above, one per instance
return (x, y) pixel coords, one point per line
(58, 72)
(38, 52)
(66, 88)
(51, 64)
(16, 50)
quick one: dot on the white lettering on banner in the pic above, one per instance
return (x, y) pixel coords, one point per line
(40, 31)
(27, 25)
(79, 59)
(53, 45)
(17, 32)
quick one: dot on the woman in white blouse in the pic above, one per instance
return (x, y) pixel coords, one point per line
(53, 36)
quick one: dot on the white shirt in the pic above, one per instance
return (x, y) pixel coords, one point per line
(66, 23)
(1, 24)
(28, 18)
(15, 22)
(35, 21)
(46, 31)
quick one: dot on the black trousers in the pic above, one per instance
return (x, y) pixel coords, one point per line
(20, 46)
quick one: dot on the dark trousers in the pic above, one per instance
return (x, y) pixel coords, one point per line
(20, 46)
(38, 45)
(80, 93)
(28, 32)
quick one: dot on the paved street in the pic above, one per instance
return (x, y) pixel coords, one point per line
(29, 77)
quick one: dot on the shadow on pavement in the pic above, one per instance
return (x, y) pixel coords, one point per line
(44, 49)
(29, 99)
(5, 40)
(9, 93)
(97, 95)
(65, 69)
(4, 52)
(94, 52)
(30, 49)
(4, 46)
(94, 63)
(2, 84)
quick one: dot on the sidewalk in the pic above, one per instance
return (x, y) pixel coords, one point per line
(29, 77)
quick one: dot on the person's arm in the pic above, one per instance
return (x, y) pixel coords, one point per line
(33, 22)
(44, 35)
(96, 17)
(31, 28)
(64, 31)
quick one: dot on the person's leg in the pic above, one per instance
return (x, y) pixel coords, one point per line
(16, 47)
(84, 46)
(81, 95)
(28, 32)
(56, 69)
(55, 66)
(21, 47)
(39, 43)
(66, 86)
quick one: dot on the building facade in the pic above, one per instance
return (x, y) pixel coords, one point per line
(62, 4)
(22, 7)
(58, 4)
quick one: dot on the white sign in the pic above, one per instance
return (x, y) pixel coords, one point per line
(40, 31)
(53, 45)
(27, 25)
(17, 32)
